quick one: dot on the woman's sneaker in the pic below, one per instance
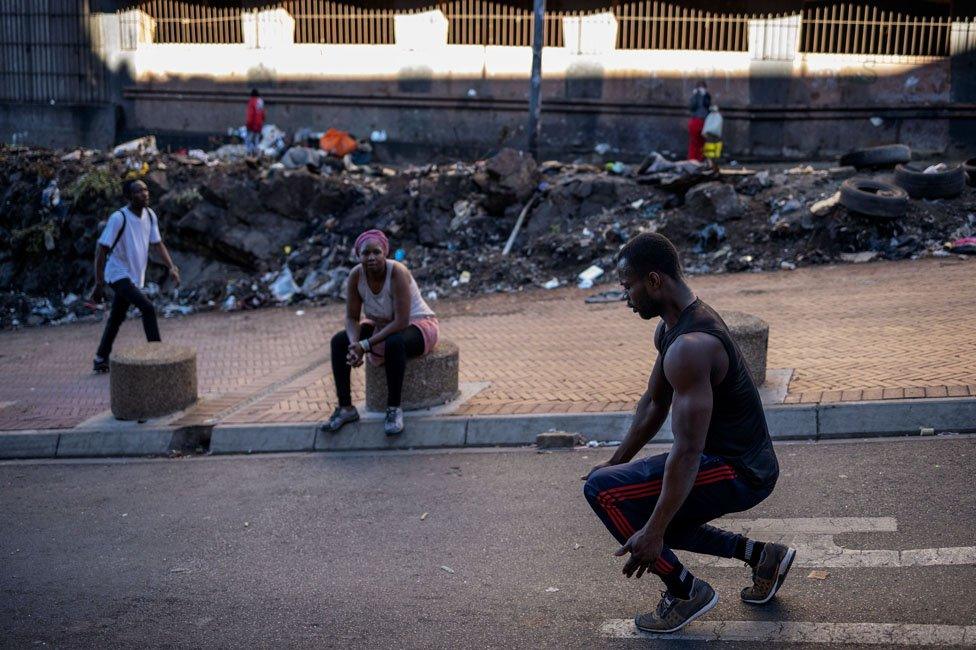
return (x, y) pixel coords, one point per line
(769, 574)
(674, 613)
(340, 417)
(394, 421)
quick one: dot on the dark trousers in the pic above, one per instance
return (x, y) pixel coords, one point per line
(624, 496)
(399, 347)
(125, 294)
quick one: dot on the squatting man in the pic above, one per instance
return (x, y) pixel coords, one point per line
(721, 461)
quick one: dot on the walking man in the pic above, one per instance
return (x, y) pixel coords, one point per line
(721, 461)
(129, 234)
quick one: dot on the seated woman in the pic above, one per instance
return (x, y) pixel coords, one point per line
(398, 325)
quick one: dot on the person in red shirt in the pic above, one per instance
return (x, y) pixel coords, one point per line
(254, 121)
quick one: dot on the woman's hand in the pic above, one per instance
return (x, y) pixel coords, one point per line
(355, 355)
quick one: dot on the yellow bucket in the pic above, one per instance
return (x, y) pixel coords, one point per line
(712, 149)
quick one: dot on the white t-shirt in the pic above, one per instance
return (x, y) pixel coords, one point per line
(131, 255)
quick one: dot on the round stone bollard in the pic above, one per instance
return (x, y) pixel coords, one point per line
(752, 336)
(430, 380)
(152, 380)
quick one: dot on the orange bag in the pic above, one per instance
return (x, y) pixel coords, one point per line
(337, 142)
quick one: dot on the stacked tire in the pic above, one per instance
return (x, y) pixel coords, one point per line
(970, 168)
(943, 184)
(881, 157)
(873, 198)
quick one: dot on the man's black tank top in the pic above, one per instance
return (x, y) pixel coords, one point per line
(737, 430)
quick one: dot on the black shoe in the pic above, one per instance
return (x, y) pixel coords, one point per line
(100, 366)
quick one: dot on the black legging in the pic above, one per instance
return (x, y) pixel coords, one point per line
(126, 293)
(402, 345)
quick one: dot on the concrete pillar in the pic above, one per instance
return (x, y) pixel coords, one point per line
(426, 30)
(774, 46)
(268, 28)
(122, 31)
(962, 62)
(593, 34)
(775, 39)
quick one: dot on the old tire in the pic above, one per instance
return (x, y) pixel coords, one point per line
(887, 155)
(873, 198)
(970, 168)
(937, 185)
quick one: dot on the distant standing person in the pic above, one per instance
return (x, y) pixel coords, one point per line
(254, 121)
(398, 325)
(698, 106)
(121, 257)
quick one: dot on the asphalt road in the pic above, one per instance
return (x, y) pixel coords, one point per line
(331, 550)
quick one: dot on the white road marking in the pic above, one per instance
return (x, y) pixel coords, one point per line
(813, 539)
(887, 634)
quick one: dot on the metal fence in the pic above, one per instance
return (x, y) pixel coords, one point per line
(647, 25)
(827, 26)
(186, 22)
(845, 28)
(47, 53)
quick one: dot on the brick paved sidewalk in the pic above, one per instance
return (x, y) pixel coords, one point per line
(868, 332)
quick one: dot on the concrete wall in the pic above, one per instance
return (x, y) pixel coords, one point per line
(58, 126)
(435, 99)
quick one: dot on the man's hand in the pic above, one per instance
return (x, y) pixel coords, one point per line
(174, 273)
(97, 295)
(355, 355)
(645, 548)
(595, 468)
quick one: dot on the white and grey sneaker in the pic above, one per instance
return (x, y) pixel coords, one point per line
(394, 421)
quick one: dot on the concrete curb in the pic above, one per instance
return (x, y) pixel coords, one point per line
(786, 422)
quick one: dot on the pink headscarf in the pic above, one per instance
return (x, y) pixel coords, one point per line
(372, 236)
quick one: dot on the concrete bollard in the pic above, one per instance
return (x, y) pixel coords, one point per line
(752, 336)
(430, 380)
(152, 380)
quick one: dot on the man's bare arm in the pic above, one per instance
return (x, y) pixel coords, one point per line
(688, 368)
(160, 248)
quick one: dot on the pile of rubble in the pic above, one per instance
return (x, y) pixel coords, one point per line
(248, 233)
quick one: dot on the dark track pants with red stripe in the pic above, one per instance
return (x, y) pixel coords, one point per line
(624, 496)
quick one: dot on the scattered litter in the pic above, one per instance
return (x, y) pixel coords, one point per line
(378, 136)
(603, 443)
(935, 169)
(787, 266)
(551, 284)
(447, 569)
(139, 147)
(577, 547)
(963, 246)
(927, 431)
(551, 590)
(300, 312)
(818, 575)
(602, 148)
(859, 258)
(613, 295)
(247, 524)
(465, 277)
(587, 277)
(877, 121)
(284, 287)
(824, 206)
(423, 516)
